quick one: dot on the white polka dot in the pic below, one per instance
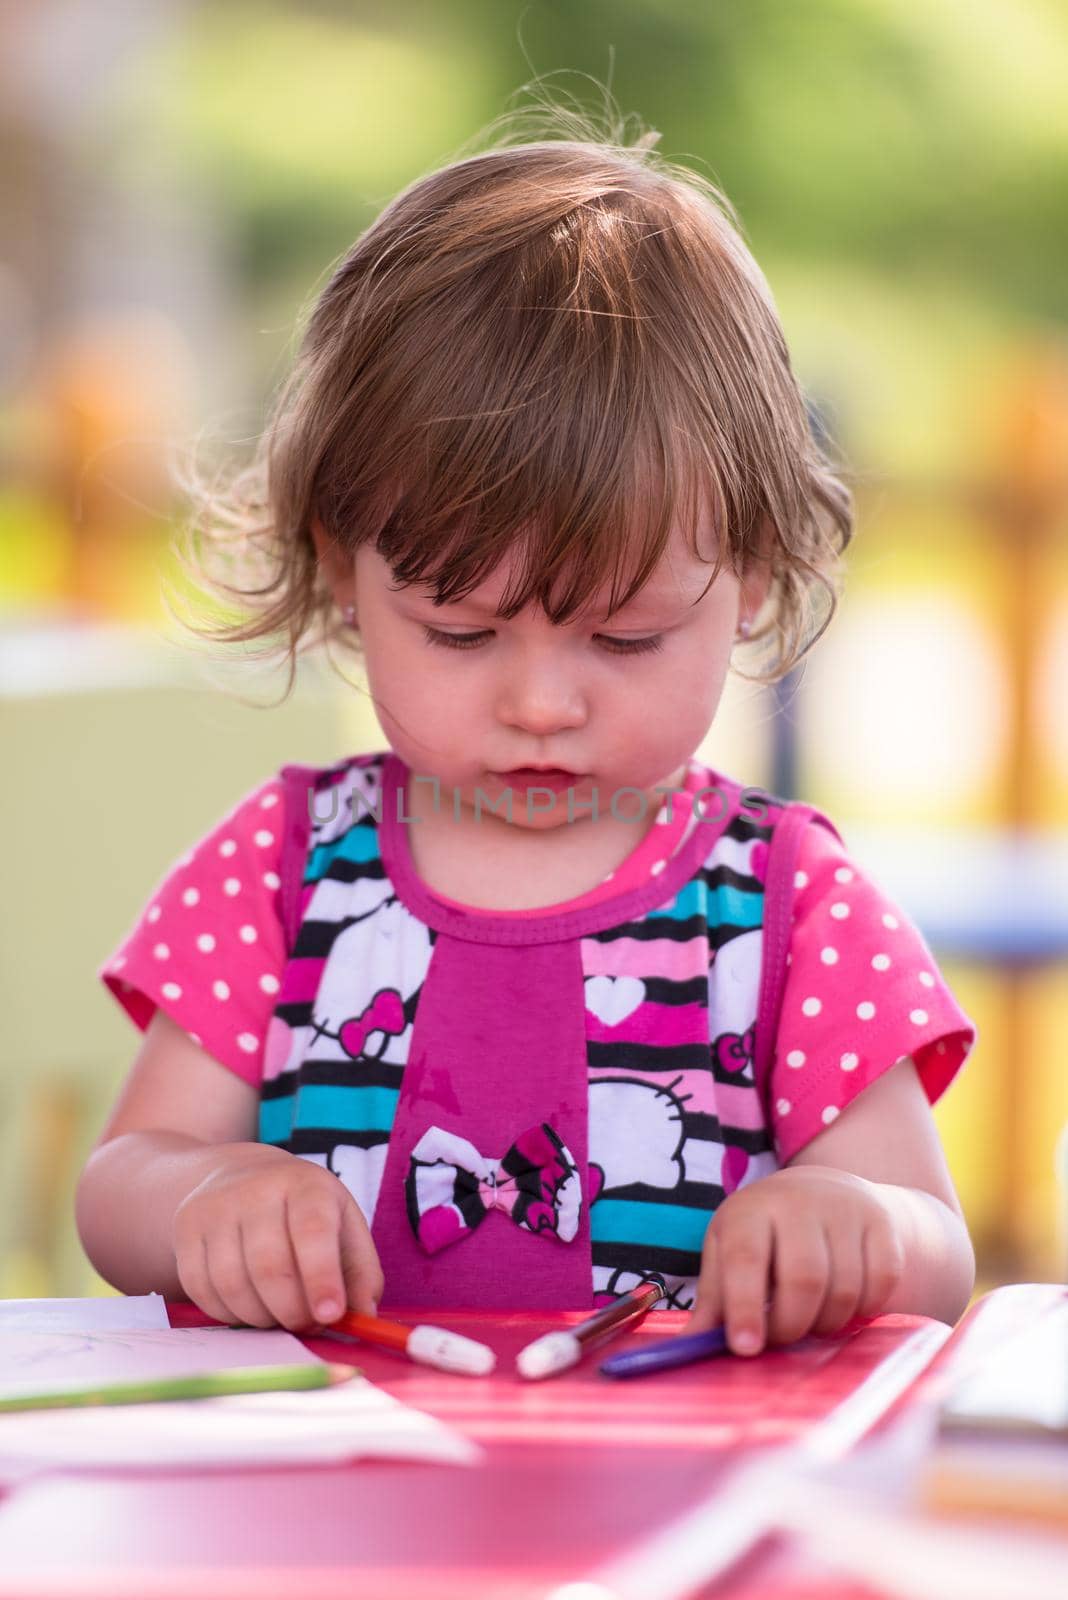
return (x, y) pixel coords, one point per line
(272, 880)
(206, 942)
(269, 983)
(268, 801)
(880, 962)
(228, 848)
(927, 980)
(918, 1017)
(800, 880)
(221, 989)
(248, 934)
(889, 921)
(941, 1047)
(263, 838)
(657, 868)
(153, 914)
(839, 910)
(172, 991)
(796, 1058)
(789, 959)
(812, 1007)
(829, 1113)
(119, 962)
(248, 1042)
(232, 886)
(161, 951)
(865, 1011)
(783, 1107)
(849, 1062)
(190, 897)
(843, 875)
(829, 955)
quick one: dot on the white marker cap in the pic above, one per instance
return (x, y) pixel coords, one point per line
(552, 1353)
(450, 1352)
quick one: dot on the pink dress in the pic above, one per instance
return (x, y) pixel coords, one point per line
(538, 1108)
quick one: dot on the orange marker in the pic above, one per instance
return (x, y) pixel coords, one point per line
(435, 1347)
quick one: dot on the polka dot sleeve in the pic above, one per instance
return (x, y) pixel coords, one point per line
(862, 991)
(208, 948)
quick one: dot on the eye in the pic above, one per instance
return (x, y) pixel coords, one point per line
(472, 641)
(454, 640)
(630, 647)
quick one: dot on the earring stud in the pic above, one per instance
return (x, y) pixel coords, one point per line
(348, 614)
(745, 627)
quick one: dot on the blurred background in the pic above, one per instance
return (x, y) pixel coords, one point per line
(175, 180)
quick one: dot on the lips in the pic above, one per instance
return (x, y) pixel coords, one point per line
(539, 772)
(540, 777)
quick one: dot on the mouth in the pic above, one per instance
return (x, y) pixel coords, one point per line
(540, 777)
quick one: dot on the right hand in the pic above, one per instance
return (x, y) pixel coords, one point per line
(271, 1238)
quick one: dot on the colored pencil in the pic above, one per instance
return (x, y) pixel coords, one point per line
(677, 1352)
(198, 1386)
(434, 1347)
(555, 1352)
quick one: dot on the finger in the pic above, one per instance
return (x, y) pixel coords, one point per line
(707, 1309)
(745, 1253)
(802, 1272)
(360, 1265)
(191, 1262)
(273, 1268)
(314, 1218)
(883, 1265)
(845, 1285)
(229, 1279)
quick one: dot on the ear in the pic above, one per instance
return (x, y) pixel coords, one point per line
(337, 565)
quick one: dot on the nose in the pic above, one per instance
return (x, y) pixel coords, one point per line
(541, 696)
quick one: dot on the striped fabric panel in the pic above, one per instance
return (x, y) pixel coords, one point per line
(326, 1096)
(675, 1119)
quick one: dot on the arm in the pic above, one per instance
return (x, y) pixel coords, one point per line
(178, 1197)
(863, 1220)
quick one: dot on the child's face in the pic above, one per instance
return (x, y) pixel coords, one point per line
(467, 697)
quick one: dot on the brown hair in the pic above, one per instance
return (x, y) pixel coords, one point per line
(559, 345)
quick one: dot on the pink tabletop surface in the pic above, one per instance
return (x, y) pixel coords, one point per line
(577, 1470)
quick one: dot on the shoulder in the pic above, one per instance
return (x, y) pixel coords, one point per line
(328, 799)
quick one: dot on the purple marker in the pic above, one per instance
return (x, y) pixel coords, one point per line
(677, 1352)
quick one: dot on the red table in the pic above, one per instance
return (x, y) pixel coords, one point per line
(577, 1470)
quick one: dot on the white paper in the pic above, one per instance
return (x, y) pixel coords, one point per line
(53, 1363)
(83, 1316)
(1023, 1385)
(343, 1423)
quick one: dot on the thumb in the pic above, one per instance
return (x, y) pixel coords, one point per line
(360, 1266)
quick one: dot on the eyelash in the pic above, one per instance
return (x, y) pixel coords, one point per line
(615, 647)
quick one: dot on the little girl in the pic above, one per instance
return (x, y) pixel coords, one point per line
(534, 1004)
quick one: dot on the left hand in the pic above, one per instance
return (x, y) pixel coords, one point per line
(805, 1250)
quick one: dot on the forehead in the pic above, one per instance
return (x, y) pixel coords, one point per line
(679, 580)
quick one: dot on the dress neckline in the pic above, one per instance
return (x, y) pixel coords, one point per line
(609, 903)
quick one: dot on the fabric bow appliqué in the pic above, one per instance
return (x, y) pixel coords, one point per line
(450, 1187)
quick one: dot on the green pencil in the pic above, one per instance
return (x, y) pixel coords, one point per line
(201, 1386)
